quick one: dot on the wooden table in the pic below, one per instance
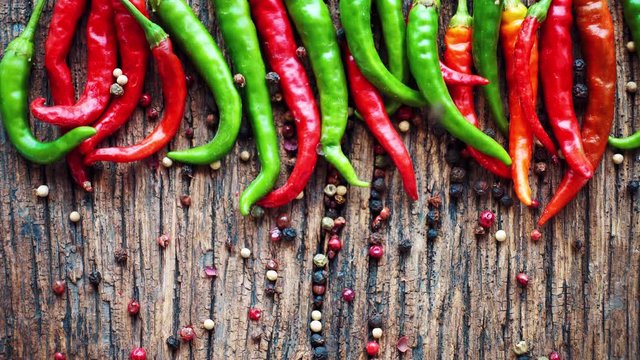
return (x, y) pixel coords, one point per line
(455, 297)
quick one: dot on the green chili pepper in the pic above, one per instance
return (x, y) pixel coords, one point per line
(394, 33)
(631, 11)
(15, 70)
(203, 52)
(422, 50)
(356, 20)
(487, 15)
(627, 143)
(240, 36)
(313, 22)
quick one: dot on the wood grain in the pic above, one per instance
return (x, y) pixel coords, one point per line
(454, 297)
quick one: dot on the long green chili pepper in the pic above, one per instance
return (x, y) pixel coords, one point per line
(15, 70)
(240, 36)
(193, 38)
(487, 15)
(313, 22)
(627, 143)
(422, 50)
(394, 33)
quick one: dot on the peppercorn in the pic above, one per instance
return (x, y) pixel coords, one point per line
(291, 146)
(497, 191)
(376, 224)
(187, 172)
(133, 308)
(173, 342)
(404, 246)
(375, 195)
(580, 91)
(480, 231)
(456, 190)
(121, 255)
(522, 279)
(373, 348)
(452, 156)
(320, 353)
(301, 52)
(458, 174)
(378, 173)
(288, 130)
(59, 356)
(375, 206)
(376, 238)
(334, 243)
(211, 120)
(348, 295)
(381, 161)
(617, 159)
(330, 190)
(318, 301)
(433, 217)
(188, 80)
(272, 77)
(145, 101)
(631, 87)
(481, 187)
(523, 357)
(320, 260)
(289, 234)
(271, 275)
(245, 253)
(42, 191)
(376, 252)
(275, 234)
(435, 201)
(577, 245)
(216, 165)
(272, 264)
(116, 89)
(535, 203)
(239, 80)
(255, 314)
(633, 186)
(554, 356)
(432, 234)
(257, 212)
(270, 289)
(521, 347)
(378, 185)
(188, 133)
(375, 320)
(187, 334)
(385, 213)
(506, 201)
(579, 65)
(152, 114)
(185, 200)
(327, 223)
(501, 235)
(319, 277)
(317, 340)
(540, 168)
(339, 223)
(59, 287)
(95, 277)
(318, 289)
(536, 235)
(486, 218)
(340, 199)
(331, 213)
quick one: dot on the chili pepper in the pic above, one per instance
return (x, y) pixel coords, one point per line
(101, 60)
(422, 48)
(15, 69)
(356, 20)
(595, 28)
(556, 58)
(371, 106)
(240, 36)
(280, 46)
(394, 33)
(486, 25)
(631, 12)
(522, 57)
(626, 143)
(457, 55)
(134, 52)
(174, 88)
(203, 52)
(313, 22)
(520, 137)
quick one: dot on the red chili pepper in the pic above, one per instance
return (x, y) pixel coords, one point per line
(174, 88)
(526, 40)
(134, 52)
(101, 60)
(556, 58)
(457, 55)
(595, 27)
(280, 46)
(453, 77)
(371, 107)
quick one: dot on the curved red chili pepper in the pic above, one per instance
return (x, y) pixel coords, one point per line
(276, 32)
(371, 107)
(174, 90)
(453, 77)
(101, 60)
(522, 55)
(556, 58)
(134, 52)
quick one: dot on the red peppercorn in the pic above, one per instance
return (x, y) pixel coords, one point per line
(376, 225)
(187, 333)
(163, 241)
(522, 279)
(152, 113)
(188, 133)
(534, 204)
(282, 221)
(138, 354)
(373, 348)
(59, 287)
(536, 235)
(59, 356)
(404, 113)
(275, 234)
(301, 52)
(145, 101)
(385, 213)
(272, 264)
(487, 218)
(288, 130)
(339, 223)
(318, 289)
(133, 307)
(334, 243)
(376, 252)
(255, 314)
(554, 356)
(348, 295)
(189, 80)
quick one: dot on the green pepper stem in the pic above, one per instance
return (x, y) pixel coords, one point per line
(539, 10)
(154, 33)
(511, 4)
(461, 18)
(30, 29)
(428, 3)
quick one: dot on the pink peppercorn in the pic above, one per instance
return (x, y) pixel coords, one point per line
(348, 295)
(138, 354)
(334, 243)
(133, 307)
(554, 356)
(59, 287)
(255, 314)
(536, 235)
(373, 348)
(187, 333)
(275, 234)
(522, 279)
(376, 252)
(486, 218)
(145, 101)
(385, 213)
(163, 241)
(59, 356)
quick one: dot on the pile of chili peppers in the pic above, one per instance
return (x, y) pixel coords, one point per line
(119, 35)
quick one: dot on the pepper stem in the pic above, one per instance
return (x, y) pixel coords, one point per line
(539, 10)
(30, 29)
(154, 33)
(461, 18)
(428, 3)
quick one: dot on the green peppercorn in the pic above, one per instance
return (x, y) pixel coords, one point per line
(257, 212)
(381, 161)
(327, 223)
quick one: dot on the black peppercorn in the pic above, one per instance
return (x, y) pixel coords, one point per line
(289, 234)
(378, 185)
(318, 301)
(121, 256)
(319, 277)
(375, 195)
(524, 357)
(481, 187)
(375, 206)
(458, 174)
(433, 217)
(173, 342)
(273, 77)
(452, 156)
(375, 320)
(455, 191)
(331, 213)
(187, 172)
(317, 340)
(270, 288)
(579, 65)
(432, 234)
(497, 191)
(577, 245)
(633, 186)
(95, 277)
(376, 238)
(506, 201)
(404, 246)
(580, 91)
(320, 353)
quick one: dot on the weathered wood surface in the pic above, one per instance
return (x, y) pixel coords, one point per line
(453, 298)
